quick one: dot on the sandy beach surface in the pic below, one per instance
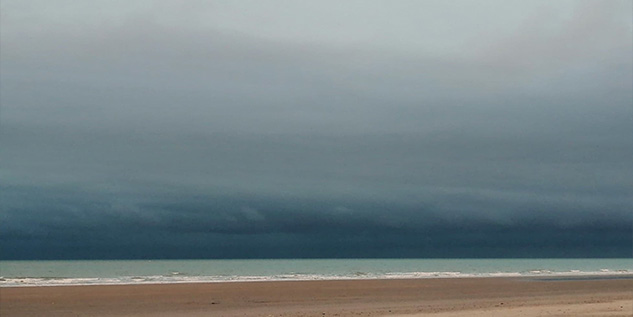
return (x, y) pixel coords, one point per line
(421, 297)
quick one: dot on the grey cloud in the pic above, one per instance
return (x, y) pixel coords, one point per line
(218, 227)
(229, 132)
(545, 43)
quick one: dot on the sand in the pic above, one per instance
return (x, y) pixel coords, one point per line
(421, 297)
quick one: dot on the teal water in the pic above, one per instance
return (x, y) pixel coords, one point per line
(36, 273)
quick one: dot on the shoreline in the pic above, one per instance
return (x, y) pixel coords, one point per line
(369, 297)
(535, 277)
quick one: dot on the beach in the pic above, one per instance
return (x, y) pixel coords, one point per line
(380, 297)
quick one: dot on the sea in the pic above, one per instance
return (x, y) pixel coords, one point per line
(119, 272)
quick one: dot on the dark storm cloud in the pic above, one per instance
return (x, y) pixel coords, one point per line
(246, 226)
(134, 133)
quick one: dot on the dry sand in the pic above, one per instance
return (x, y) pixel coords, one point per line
(438, 297)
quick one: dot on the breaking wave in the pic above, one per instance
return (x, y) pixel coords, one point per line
(177, 277)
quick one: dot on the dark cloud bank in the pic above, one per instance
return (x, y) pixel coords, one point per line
(141, 140)
(72, 224)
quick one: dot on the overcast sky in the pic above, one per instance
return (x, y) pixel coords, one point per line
(222, 129)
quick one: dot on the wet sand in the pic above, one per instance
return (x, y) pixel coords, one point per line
(438, 297)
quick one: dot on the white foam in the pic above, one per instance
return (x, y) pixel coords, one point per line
(181, 278)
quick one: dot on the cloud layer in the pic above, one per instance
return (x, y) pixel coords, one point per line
(289, 129)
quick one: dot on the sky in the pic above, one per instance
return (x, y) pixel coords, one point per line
(290, 129)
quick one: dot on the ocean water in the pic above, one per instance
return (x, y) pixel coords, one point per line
(53, 273)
